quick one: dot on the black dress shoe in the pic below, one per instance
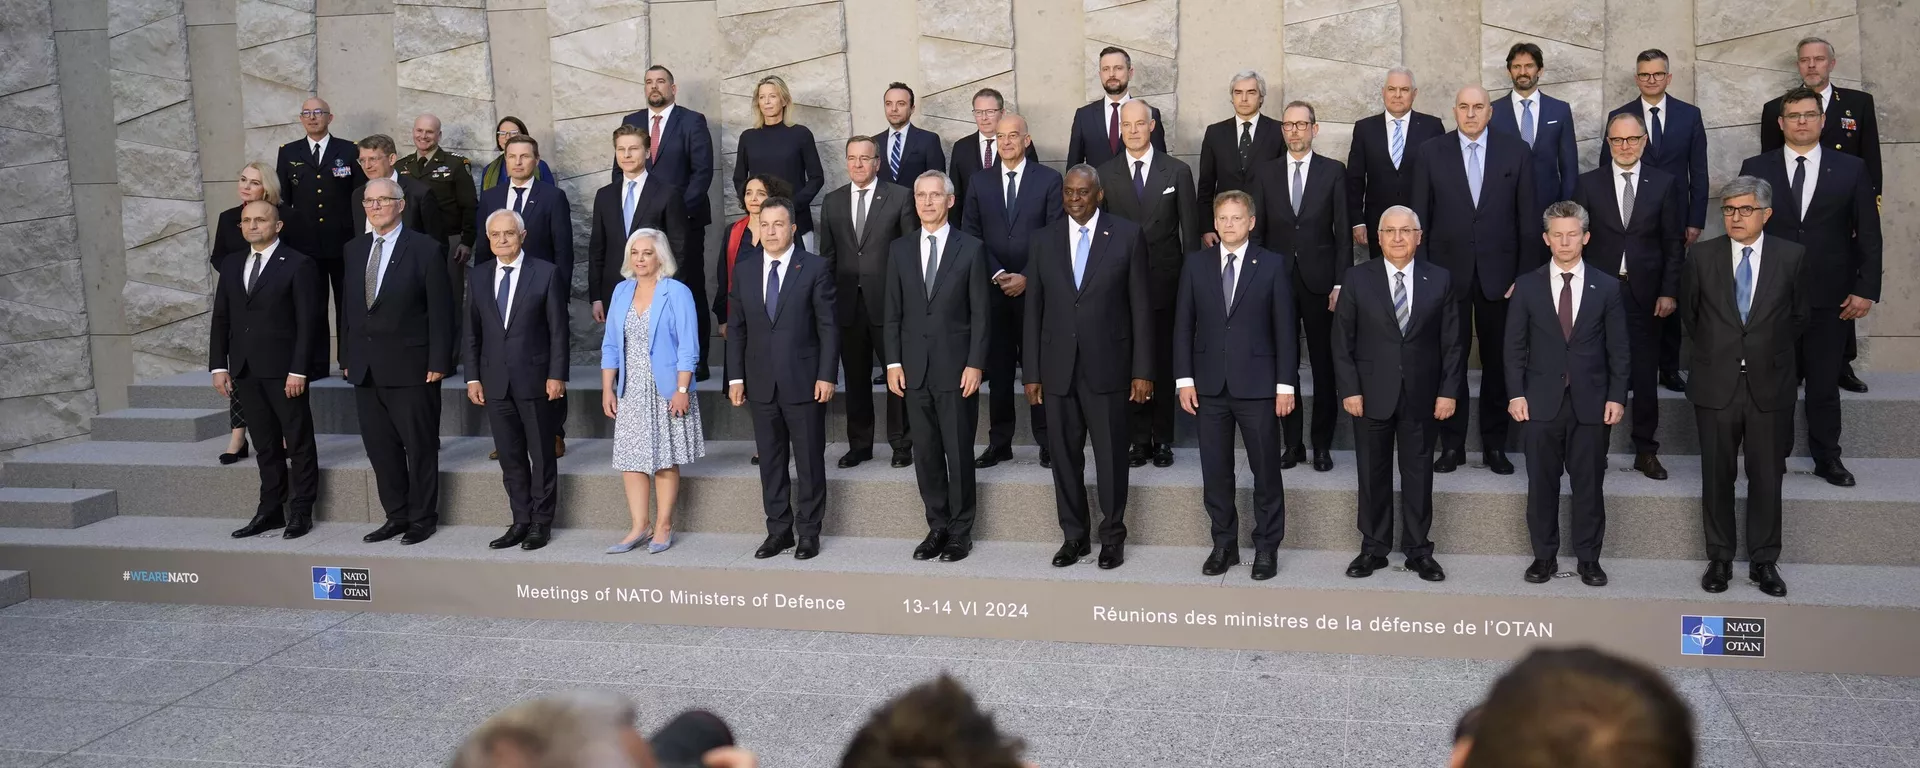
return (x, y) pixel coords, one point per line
(1541, 571)
(236, 456)
(880, 380)
(1220, 560)
(538, 535)
(992, 456)
(1497, 462)
(1850, 382)
(775, 544)
(1139, 454)
(1766, 576)
(1649, 464)
(1292, 456)
(1322, 460)
(1445, 460)
(387, 530)
(515, 534)
(853, 458)
(930, 546)
(1046, 459)
(1265, 565)
(1719, 572)
(260, 524)
(493, 455)
(901, 458)
(416, 534)
(755, 460)
(1674, 380)
(807, 548)
(1833, 472)
(298, 524)
(1112, 555)
(1163, 455)
(1364, 565)
(1427, 567)
(956, 551)
(1591, 574)
(1071, 552)
(700, 373)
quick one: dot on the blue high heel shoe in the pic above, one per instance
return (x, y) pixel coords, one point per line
(628, 546)
(658, 547)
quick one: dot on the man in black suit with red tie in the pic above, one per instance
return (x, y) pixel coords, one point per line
(1089, 352)
(1381, 158)
(680, 154)
(1096, 126)
(1234, 148)
(979, 150)
(269, 343)
(318, 175)
(396, 344)
(638, 199)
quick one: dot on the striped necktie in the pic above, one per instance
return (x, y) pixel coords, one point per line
(1402, 309)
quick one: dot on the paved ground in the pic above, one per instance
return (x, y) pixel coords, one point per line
(123, 684)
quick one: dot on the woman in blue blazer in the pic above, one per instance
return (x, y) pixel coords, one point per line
(647, 359)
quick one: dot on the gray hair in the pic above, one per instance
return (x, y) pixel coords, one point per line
(946, 182)
(519, 222)
(1396, 210)
(1810, 40)
(1742, 186)
(1630, 114)
(1248, 74)
(1092, 174)
(1401, 71)
(1565, 209)
(397, 192)
(576, 728)
(662, 251)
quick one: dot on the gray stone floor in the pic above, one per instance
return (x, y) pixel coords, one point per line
(123, 684)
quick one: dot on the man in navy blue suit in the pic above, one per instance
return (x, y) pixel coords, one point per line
(1096, 126)
(1543, 122)
(1005, 205)
(549, 238)
(978, 151)
(906, 150)
(680, 153)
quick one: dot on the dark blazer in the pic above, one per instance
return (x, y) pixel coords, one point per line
(1543, 364)
(1768, 341)
(934, 337)
(1851, 127)
(520, 356)
(1682, 152)
(1104, 330)
(1653, 243)
(965, 163)
(1089, 143)
(280, 329)
(859, 260)
(1245, 359)
(919, 152)
(1037, 203)
(790, 352)
(410, 329)
(421, 215)
(658, 208)
(1371, 358)
(1319, 240)
(316, 198)
(549, 223)
(1555, 161)
(1841, 229)
(1169, 217)
(1220, 169)
(786, 152)
(1373, 183)
(685, 160)
(1489, 243)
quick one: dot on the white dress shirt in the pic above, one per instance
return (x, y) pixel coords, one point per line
(990, 143)
(776, 265)
(1239, 269)
(1826, 97)
(1753, 263)
(521, 194)
(1147, 158)
(1469, 157)
(1520, 108)
(893, 135)
(1107, 106)
(1019, 171)
(860, 209)
(500, 273)
(319, 148)
(265, 257)
(1646, 111)
(1073, 239)
(1249, 124)
(939, 241)
(1410, 281)
(1305, 164)
(664, 113)
(1813, 172)
(386, 242)
(1554, 281)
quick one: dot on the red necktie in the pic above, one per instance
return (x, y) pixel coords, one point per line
(1566, 304)
(1113, 130)
(653, 142)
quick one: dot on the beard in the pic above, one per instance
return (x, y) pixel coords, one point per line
(1114, 88)
(656, 101)
(1523, 81)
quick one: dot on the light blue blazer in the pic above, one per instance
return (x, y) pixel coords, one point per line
(676, 335)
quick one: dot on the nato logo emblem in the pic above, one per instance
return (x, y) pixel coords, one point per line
(1723, 636)
(342, 584)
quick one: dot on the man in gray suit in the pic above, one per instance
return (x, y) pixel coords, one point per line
(858, 221)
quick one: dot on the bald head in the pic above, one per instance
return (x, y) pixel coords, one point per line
(1472, 108)
(259, 224)
(315, 116)
(1012, 141)
(426, 133)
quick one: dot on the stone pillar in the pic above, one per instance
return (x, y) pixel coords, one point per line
(806, 46)
(357, 73)
(1337, 56)
(1431, 45)
(1219, 38)
(520, 49)
(1636, 25)
(1572, 38)
(442, 67)
(880, 50)
(278, 61)
(213, 60)
(1886, 29)
(963, 47)
(1149, 30)
(1051, 77)
(685, 37)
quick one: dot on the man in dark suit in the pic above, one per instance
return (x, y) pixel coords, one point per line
(1303, 214)
(377, 158)
(516, 366)
(1543, 122)
(1380, 160)
(937, 313)
(1234, 148)
(1567, 366)
(1003, 210)
(1828, 209)
(857, 223)
(317, 178)
(1637, 217)
(543, 208)
(1088, 347)
(782, 348)
(268, 343)
(1744, 298)
(1399, 359)
(906, 150)
(1676, 143)
(1850, 126)
(396, 344)
(980, 150)
(1154, 190)
(638, 199)
(1238, 374)
(680, 154)
(1474, 190)
(1096, 126)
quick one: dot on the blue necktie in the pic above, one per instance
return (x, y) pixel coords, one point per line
(773, 289)
(519, 199)
(893, 156)
(1473, 171)
(1010, 193)
(1398, 146)
(1080, 258)
(1743, 283)
(1140, 181)
(500, 296)
(1526, 121)
(626, 205)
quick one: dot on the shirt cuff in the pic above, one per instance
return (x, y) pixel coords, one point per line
(1182, 383)
(736, 381)
(1336, 286)
(891, 366)
(218, 370)
(1282, 389)
(1359, 226)
(298, 375)
(1511, 399)
(997, 274)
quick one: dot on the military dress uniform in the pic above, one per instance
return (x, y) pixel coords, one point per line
(450, 177)
(318, 193)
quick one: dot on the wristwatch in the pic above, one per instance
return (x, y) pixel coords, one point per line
(681, 390)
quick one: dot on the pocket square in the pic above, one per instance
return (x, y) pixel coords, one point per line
(1551, 122)
(1168, 192)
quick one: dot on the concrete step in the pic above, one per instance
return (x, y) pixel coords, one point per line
(1476, 512)
(161, 425)
(54, 507)
(1884, 423)
(13, 587)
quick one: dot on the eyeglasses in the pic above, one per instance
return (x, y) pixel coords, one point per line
(1400, 232)
(986, 112)
(1649, 77)
(1801, 117)
(376, 202)
(314, 113)
(1742, 212)
(505, 134)
(1625, 141)
(1295, 125)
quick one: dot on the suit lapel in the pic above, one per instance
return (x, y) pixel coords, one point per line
(1097, 246)
(1763, 284)
(789, 277)
(1248, 269)
(1159, 176)
(487, 278)
(1424, 298)
(388, 275)
(949, 253)
(873, 207)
